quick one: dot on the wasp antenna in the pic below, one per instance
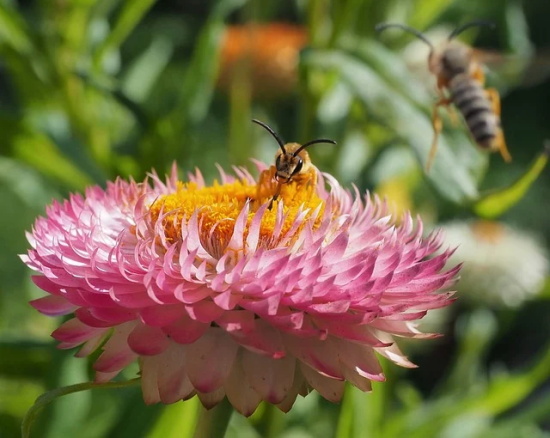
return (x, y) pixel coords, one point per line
(475, 23)
(273, 133)
(383, 26)
(309, 143)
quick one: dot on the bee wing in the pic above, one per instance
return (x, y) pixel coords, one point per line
(518, 69)
(538, 69)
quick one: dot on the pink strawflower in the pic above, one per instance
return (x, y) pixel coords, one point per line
(216, 294)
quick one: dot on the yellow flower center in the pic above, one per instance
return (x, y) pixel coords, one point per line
(219, 205)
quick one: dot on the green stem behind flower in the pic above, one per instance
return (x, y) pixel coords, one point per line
(213, 422)
(50, 396)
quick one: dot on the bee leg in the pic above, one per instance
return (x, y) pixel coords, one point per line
(494, 98)
(447, 102)
(438, 126)
(478, 75)
(453, 115)
(275, 196)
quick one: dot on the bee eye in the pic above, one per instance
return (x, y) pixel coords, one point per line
(278, 161)
(298, 167)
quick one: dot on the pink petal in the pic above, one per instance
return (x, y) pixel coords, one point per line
(271, 378)
(75, 332)
(52, 305)
(331, 389)
(173, 384)
(147, 341)
(209, 360)
(116, 352)
(240, 392)
(160, 316)
(185, 330)
(211, 399)
(149, 379)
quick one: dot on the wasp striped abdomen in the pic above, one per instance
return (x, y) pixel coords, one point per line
(471, 100)
(460, 81)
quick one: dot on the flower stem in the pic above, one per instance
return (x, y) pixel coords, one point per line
(213, 423)
(50, 396)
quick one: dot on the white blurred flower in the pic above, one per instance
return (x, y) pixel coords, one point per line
(502, 265)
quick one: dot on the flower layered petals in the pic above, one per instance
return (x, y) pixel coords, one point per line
(73, 332)
(116, 351)
(217, 294)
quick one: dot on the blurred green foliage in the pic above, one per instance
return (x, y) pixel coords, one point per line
(91, 90)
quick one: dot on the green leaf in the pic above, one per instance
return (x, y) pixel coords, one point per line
(144, 72)
(426, 11)
(545, 293)
(25, 184)
(499, 201)
(451, 174)
(78, 404)
(130, 15)
(23, 193)
(52, 395)
(200, 77)
(506, 391)
(475, 332)
(502, 392)
(13, 30)
(393, 68)
(39, 151)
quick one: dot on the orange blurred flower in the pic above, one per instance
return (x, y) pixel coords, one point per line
(266, 55)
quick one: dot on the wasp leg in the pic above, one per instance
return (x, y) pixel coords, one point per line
(438, 126)
(500, 142)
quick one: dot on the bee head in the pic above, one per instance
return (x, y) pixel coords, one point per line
(292, 158)
(288, 164)
(455, 59)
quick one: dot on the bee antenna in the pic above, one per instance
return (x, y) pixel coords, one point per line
(474, 23)
(309, 143)
(383, 26)
(273, 133)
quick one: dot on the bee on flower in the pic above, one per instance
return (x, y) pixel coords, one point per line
(292, 165)
(216, 295)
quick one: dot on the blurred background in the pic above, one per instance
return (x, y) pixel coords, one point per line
(91, 90)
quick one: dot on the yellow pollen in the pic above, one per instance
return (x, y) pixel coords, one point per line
(219, 205)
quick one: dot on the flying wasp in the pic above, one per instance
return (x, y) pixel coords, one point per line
(460, 81)
(292, 164)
